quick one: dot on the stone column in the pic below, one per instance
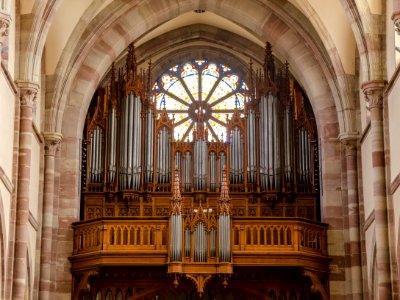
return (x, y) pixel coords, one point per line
(28, 91)
(52, 142)
(349, 141)
(373, 91)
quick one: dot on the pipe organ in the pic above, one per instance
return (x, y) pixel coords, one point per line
(200, 165)
(198, 118)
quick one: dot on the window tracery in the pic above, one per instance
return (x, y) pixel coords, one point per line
(200, 92)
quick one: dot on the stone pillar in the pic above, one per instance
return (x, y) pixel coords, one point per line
(28, 91)
(373, 91)
(349, 141)
(52, 142)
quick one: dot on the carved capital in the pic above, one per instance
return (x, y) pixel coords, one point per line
(396, 21)
(27, 92)
(373, 91)
(4, 25)
(52, 143)
(349, 141)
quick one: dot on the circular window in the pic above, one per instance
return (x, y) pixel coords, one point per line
(200, 91)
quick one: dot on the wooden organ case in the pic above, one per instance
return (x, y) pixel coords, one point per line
(199, 185)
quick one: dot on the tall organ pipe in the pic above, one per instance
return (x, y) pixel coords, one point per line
(112, 143)
(96, 155)
(163, 155)
(149, 151)
(269, 143)
(187, 168)
(130, 150)
(236, 158)
(288, 145)
(213, 170)
(251, 149)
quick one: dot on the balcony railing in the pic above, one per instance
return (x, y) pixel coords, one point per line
(260, 241)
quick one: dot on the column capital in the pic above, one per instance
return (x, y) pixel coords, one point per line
(396, 21)
(349, 141)
(52, 142)
(4, 25)
(373, 91)
(27, 91)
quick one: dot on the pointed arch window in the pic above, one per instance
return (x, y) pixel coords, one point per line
(200, 91)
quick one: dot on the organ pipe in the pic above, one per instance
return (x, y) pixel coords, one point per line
(236, 157)
(270, 168)
(213, 172)
(130, 150)
(129, 145)
(149, 144)
(188, 173)
(251, 148)
(224, 223)
(96, 155)
(112, 144)
(163, 156)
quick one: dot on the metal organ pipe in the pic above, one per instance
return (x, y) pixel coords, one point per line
(222, 164)
(288, 145)
(213, 177)
(224, 237)
(251, 149)
(130, 153)
(270, 158)
(187, 166)
(163, 156)
(112, 141)
(277, 154)
(149, 164)
(96, 155)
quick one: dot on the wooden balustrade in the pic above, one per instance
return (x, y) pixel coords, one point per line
(138, 241)
(272, 235)
(127, 234)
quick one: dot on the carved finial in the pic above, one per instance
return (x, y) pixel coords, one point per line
(251, 81)
(224, 200)
(269, 65)
(131, 66)
(176, 200)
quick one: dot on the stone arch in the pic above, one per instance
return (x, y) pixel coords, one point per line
(33, 37)
(368, 41)
(90, 61)
(265, 29)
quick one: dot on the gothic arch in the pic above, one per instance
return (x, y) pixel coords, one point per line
(87, 65)
(290, 42)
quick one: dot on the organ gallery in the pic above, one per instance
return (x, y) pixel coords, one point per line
(201, 181)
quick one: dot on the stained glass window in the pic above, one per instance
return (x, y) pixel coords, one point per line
(200, 91)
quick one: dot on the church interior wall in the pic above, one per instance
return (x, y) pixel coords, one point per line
(85, 60)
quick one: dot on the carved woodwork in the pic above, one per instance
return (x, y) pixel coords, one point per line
(137, 237)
